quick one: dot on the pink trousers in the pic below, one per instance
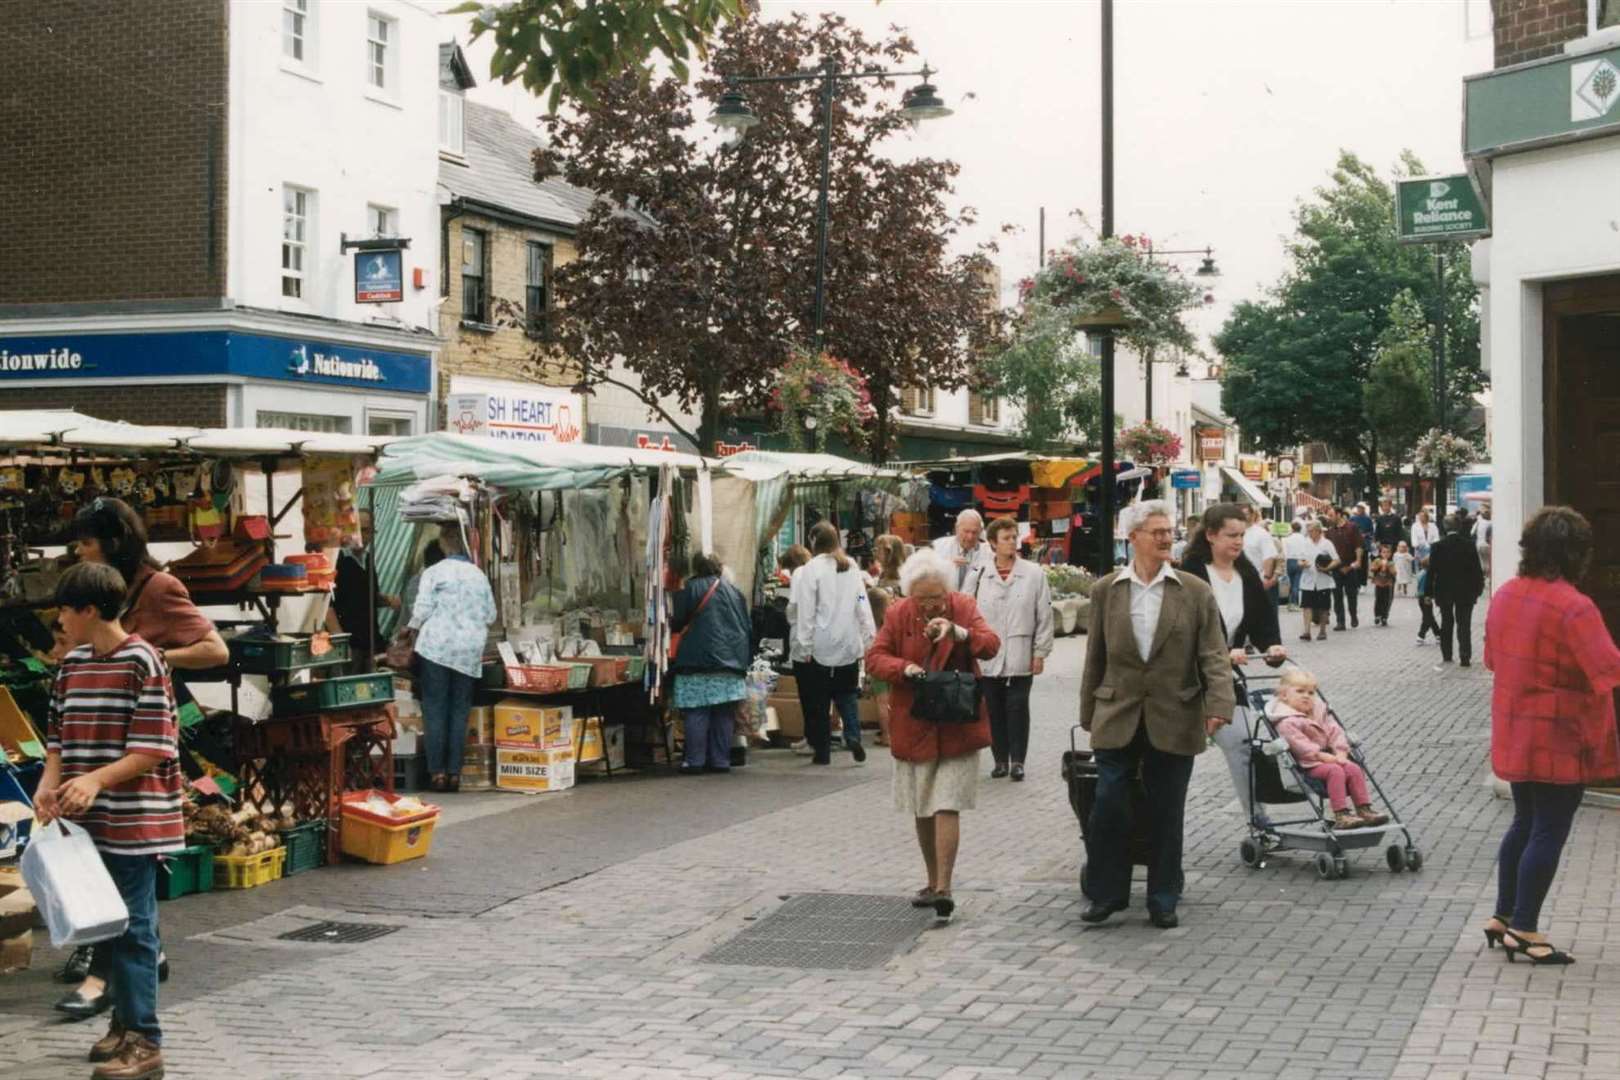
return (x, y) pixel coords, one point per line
(1339, 779)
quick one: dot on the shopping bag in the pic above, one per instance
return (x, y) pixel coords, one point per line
(70, 883)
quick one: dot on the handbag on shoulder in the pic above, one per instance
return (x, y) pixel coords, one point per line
(946, 697)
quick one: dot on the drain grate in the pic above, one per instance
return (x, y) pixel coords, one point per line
(841, 931)
(338, 933)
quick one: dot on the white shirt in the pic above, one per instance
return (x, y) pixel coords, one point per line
(1311, 578)
(1259, 546)
(1424, 536)
(833, 623)
(1298, 547)
(1147, 600)
(979, 560)
(1229, 597)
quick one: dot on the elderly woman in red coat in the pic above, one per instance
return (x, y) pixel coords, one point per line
(1552, 717)
(936, 766)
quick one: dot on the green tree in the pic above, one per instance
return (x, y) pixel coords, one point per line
(566, 46)
(1399, 397)
(1047, 372)
(1298, 362)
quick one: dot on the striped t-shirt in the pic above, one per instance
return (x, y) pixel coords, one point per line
(103, 707)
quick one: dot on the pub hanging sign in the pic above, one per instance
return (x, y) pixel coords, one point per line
(379, 277)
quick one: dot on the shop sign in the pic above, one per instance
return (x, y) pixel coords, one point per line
(1287, 465)
(379, 277)
(725, 449)
(1211, 443)
(645, 442)
(1432, 208)
(1254, 468)
(1560, 99)
(204, 353)
(1186, 480)
(537, 415)
(1303, 474)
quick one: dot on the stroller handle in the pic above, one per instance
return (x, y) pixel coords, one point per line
(1244, 678)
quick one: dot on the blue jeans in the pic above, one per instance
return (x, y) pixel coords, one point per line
(848, 704)
(1165, 776)
(446, 700)
(1295, 569)
(1542, 815)
(708, 735)
(131, 959)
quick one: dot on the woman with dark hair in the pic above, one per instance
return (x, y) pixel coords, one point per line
(832, 629)
(711, 664)
(1552, 717)
(1215, 554)
(159, 609)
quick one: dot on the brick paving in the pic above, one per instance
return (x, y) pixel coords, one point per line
(567, 940)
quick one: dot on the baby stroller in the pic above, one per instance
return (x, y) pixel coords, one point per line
(1275, 777)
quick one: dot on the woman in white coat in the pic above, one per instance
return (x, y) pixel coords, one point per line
(832, 629)
(1015, 600)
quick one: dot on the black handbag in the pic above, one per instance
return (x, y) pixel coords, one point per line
(946, 697)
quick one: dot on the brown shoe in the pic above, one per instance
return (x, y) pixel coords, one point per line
(107, 1046)
(137, 1059)
(1370, 817)
(1346, 819)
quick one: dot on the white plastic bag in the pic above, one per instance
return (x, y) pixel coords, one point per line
(70, 883)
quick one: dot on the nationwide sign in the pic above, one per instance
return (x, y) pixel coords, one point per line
(1432, 208)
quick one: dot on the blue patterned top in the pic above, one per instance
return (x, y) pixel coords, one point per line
(701, 689)
(454, 607)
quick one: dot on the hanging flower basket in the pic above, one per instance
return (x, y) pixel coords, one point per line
(817, 386)
(1439, 451)
(1149, 444)
(1116, 285)
(1108, 317)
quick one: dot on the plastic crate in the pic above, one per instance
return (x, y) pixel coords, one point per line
(548, 678)
(326, 695)
(635, 667)
(189, 870)
(248, 871)
(606, 670)
(382, 840)
(305, 845)
(266, 656)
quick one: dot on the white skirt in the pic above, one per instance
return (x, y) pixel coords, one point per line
(924, 788)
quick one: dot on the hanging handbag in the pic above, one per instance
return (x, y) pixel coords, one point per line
(946, 697)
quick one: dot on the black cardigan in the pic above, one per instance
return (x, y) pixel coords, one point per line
(1259, 626)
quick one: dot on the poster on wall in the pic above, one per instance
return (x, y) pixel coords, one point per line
(379, 277)
(516, 412)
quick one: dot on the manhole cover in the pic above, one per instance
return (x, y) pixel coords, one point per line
(338, 933)
(827, 930)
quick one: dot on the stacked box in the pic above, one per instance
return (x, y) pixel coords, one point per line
(520, 724)
(533, 771)
(590, 753)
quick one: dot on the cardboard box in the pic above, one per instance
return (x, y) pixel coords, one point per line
(480, 726)
(591, 748)
(17, 734)
(869, 712)
(534, 772)
(518, 723)
(789, 715)
(16, 952)
(18, 912)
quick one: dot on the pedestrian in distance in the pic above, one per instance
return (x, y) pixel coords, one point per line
(1383, 581)
(711, 665)
(1425, 534)
(355, 596)
(1387, 527)
(1260, 547)
(1297, 552)
(1363, 522)
(1218, 556)
(1552, 718)
(833, 627)
(936, 765)
(1482, 540)
(112, 765)
(1016, 601)
(450, 620)
(1425, 599)
(1317, 585)
(1350, 550)
(1405, 574)
(965, 550)
(1456, 581)
(1157, 686)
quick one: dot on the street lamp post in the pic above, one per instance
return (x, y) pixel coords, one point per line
(1206, 269)
(921, 102)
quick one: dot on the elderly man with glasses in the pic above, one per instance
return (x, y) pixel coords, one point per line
(1158, 684)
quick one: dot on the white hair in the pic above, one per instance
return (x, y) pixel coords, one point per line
(1134, 516)
(925, 562)
(969, 516)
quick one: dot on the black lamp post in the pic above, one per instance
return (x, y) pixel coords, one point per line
(921, 102)
(1206, 269)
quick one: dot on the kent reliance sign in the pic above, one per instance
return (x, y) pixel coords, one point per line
(1431, 208)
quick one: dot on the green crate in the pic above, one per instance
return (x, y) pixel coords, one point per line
(579, 675)
(637, 668)
(189, 870)
(306, 847)
(328, 695)
(267, 656)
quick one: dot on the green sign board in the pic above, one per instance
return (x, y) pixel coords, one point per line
(1431, 208)
(1559, 99)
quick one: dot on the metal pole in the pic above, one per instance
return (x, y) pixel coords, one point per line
(1041, 256)
(1147, 368)
(828, 73)
(1440, 372)
(1105, 481)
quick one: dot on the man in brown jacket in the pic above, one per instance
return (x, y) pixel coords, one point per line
(1158, 683)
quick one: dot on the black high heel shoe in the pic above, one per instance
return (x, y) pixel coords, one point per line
(1493, 938)
(78, 1007)
(77, 965)
(1522, 946)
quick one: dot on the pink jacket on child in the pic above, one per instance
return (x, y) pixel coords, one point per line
(1308, 736)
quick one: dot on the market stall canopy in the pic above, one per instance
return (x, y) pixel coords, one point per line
(64, 429)
(1046, 470)
(810, 468)
(519, 465)
(1250, 490)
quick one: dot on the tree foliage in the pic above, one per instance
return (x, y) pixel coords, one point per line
(1298, 363)
(696, 266)
(564, 47)
(1049, 374)
(1398, 397)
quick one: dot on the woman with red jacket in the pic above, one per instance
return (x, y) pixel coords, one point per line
(936, 766)
(1552, 717)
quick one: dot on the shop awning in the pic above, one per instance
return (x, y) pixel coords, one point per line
(813, 467)
(1250, 489)
(64, 429)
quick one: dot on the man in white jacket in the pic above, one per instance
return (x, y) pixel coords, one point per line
(964, 550)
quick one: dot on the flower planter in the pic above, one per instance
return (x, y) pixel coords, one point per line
(1111, 317)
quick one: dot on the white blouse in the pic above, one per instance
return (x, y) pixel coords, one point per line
(1229, 597)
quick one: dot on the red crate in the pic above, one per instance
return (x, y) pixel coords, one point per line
(538, 678)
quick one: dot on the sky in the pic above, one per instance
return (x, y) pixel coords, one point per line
(1227, 112)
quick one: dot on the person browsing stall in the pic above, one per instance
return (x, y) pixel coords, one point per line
(965, 551)
(711, 666)
(833, 628)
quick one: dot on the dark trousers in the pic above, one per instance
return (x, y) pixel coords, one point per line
(1456, 616)
(446, 702)
(131, 959)
(1346, 587)
(1426, 606)
(819, 688)
(1383, 600)
(1007, 700)
(1542, 815)
(1165, 777)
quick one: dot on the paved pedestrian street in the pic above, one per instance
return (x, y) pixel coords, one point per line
(566, 935)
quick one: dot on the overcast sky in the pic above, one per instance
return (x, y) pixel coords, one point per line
(1227, 112)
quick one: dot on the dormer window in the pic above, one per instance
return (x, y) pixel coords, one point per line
(455, 79)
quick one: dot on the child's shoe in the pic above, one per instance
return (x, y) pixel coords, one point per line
(1346, 819)
(1370, 817)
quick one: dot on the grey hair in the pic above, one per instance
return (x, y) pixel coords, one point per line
(925, 562)
(970, 515)
(1136, 515)
(450, 541)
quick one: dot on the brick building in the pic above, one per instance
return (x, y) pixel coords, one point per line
(175, 244)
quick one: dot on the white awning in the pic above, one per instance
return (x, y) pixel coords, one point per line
(1250, 489)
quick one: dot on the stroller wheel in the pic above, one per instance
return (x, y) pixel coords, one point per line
(1414, 859)
(1249, 852)
(1324, 866)
(1395, 858)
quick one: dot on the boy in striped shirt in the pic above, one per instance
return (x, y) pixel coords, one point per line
(112, 765)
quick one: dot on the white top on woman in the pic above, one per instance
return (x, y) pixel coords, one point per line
(1298, 547)
(1228, 597)
(1424, 536)
(1311, 579)
(832, 622)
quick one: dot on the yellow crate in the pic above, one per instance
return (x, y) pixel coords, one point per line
(248, 871)
(371, 841)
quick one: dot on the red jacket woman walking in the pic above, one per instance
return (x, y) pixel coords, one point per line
(1552, 717)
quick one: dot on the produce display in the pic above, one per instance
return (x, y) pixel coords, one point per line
(238, 833)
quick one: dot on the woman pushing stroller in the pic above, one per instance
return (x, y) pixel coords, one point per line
(1320, 745)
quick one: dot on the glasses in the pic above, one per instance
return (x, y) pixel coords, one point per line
(1159, 534)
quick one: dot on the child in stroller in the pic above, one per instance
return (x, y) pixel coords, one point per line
(1320, 745)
